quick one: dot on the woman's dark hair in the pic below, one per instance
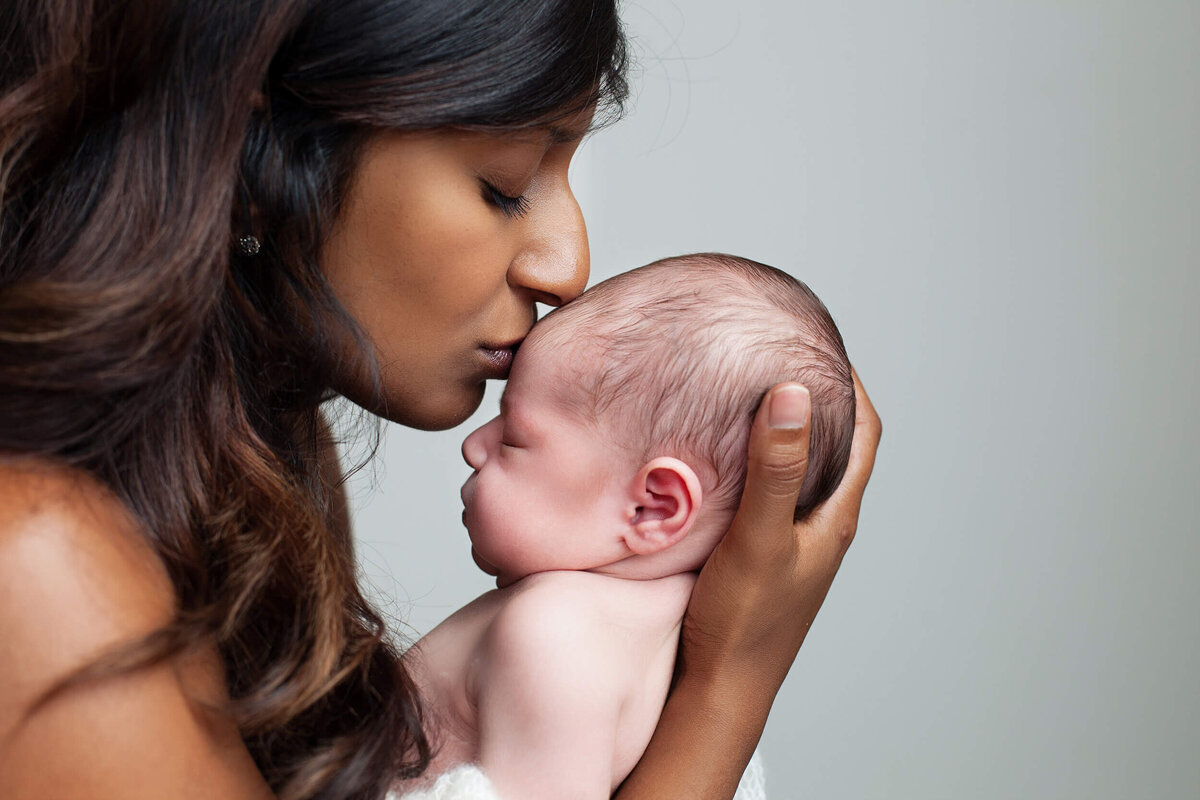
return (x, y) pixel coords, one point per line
(138, 141)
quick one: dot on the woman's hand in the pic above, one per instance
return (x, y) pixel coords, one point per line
(753, 604)
(760, 591)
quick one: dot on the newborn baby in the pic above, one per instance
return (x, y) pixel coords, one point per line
(612, 471)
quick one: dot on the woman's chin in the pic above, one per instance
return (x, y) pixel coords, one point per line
(432, 411)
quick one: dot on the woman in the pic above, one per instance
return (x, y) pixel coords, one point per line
(214, 216)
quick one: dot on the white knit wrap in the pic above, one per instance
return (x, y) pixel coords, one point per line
(468, 783)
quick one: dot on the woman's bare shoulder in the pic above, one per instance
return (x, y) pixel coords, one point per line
(78, 578)
(63, 535)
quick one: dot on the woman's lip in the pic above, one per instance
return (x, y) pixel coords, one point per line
(498, 358)
(497, 362)
(509, 344)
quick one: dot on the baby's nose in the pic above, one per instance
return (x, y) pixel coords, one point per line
(474, 448)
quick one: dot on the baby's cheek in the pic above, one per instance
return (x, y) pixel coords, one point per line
(510, 549)
(476, 513)
(493, 521)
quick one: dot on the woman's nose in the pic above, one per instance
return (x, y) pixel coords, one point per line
(474, 447)
(555, 266)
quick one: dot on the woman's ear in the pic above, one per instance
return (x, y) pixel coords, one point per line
(666, 495)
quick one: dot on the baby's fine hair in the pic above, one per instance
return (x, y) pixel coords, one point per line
(674, 358)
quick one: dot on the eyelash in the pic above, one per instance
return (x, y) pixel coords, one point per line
(511, 207)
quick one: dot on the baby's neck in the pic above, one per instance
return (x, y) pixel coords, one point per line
(687, 556)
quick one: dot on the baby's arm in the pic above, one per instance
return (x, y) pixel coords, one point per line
(549, 688)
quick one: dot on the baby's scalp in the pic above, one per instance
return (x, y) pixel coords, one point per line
(673, 359)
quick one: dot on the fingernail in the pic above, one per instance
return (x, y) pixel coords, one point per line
(789, 407)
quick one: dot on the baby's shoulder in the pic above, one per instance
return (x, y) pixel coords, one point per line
(575, 603)
(554, 617)
(572, 586)
(561, 605)
(550, 644)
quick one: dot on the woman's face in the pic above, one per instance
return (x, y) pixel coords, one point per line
(445, 241)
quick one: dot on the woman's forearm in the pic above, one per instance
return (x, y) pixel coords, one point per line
(706, 734)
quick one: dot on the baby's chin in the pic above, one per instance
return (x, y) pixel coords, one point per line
(482, 563)
(491, 569)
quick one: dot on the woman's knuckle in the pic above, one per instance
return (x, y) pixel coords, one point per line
(787, 469)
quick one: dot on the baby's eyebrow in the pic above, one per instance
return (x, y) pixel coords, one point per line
(506, 410)
(519, 422)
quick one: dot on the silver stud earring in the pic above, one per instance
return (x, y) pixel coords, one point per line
(249, 245)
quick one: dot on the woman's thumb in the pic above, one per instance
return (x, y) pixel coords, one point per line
(778, 458)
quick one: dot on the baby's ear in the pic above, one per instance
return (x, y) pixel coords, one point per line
(666, 496)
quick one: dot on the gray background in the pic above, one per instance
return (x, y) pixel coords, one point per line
(1000, 204)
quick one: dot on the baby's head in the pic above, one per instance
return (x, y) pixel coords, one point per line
(621, 444)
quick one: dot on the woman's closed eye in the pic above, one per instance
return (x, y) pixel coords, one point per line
(512, 207)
